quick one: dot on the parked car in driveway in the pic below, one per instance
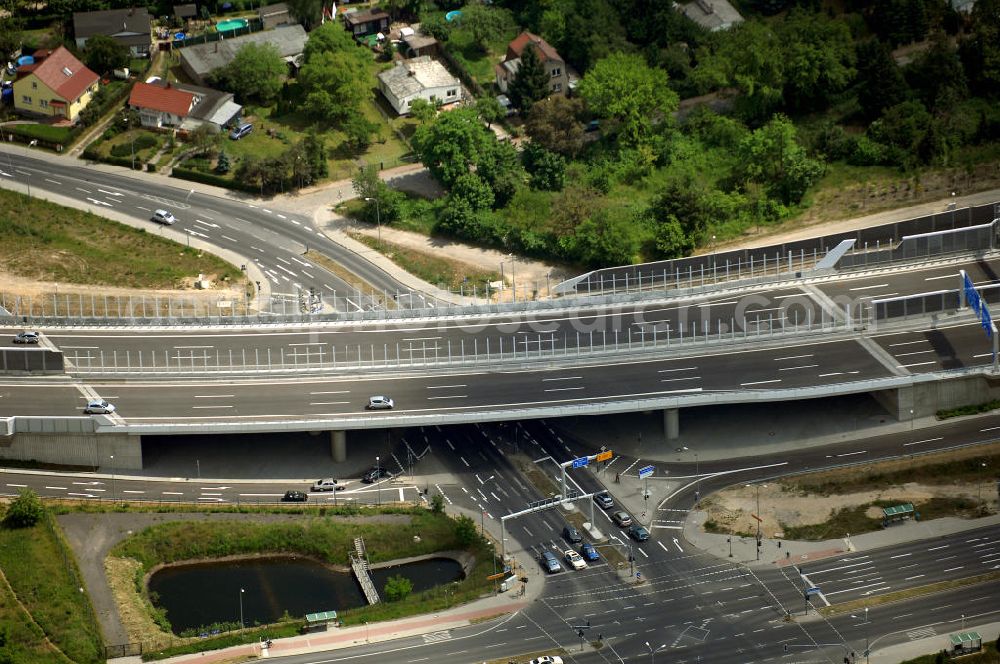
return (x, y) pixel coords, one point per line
(588, 552)
(326, 484)
(604, 500)
(99, 407)
(574, 559)
(621, 519)
(638, 533)
(239, 132)
(550, 562)
(294, 497)
(26, 338)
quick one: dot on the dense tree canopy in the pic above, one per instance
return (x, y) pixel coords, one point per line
(103, 54)
(531, 82)
(555, 125)
(451, 144)
(255, 73)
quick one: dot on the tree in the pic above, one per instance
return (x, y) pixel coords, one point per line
(880, 81)
(980, 51)
(554, 123)
(335, 84)
(422, 110)
(11, 35)
(624, 88)
(602, 240)
(489, 110)
(772, 157)
(486, 23)
(499, 164)
(367, 184)
(255, 73)
(547, 169)
(331, 38)
(899, 21)
(902, 129)
(223, 165)
(203, 139)
(358, 131)
(471, 188)
(437, 503)
(465, 530)
(670, 239)
(936, 76)
(103, 54)
(307, 12)
(819, 58)
(397, 588)
(531, 82)
(315, 154)
(437, 27)
(451, 144)
(24, 511)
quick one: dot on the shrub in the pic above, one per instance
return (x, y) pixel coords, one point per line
(25, 511)
(397, 588)
(437, 503)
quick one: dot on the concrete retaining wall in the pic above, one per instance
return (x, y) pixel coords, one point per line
(75, 449)
(925, 399)
(30, 360)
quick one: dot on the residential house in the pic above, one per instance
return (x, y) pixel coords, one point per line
(199, 61)
(712, 15)
(419, 78)
(185, 13)
(271, 16)
(366, 22)
(182, 106)
(507, 70)
(55, 85)
(415, 43)
(129, 27)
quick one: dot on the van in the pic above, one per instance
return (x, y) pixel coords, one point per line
(241, 131)
(550, 562)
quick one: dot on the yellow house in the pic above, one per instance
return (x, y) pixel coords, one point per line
(55, 85)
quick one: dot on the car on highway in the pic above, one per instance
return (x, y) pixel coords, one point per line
(326, 484)
(546, 659)
(164, 217)
(294, 497)
(99, 407)
(574, 559)
(375, 474)
(604, 500)
(638, 533)
(572, 534)
(621, 519)
(588, 552)
(380, 403)
(550, 562)
(26, 338)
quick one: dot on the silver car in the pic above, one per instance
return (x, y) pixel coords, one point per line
(99, 407)
(26, 338)
(164, 217)
(380, 403)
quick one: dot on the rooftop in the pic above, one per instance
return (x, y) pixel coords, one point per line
(167, 99)
(410, 77)
(545, 49)
(133, 20)
(61, 72)
(711, 14)
(290, 40)
(364, 16)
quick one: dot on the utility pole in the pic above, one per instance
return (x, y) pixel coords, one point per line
(580, 632)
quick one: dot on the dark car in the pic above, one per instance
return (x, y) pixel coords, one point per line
(604, 501)
(638, 533)
(294, 497)
(572, 534)
(588, 552)
(375, 474)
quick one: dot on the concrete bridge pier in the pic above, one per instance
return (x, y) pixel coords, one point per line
(672, 423)
(338, 446)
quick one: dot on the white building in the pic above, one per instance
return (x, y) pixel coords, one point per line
(419, 78)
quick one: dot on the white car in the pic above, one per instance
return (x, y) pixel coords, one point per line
(574, 559)
(99, 407)
(327, 484)
(164, 217)
(547, 660)
(380, 403)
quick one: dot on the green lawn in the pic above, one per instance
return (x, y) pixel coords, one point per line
(48, 242)
(45, 579)
(42, 132)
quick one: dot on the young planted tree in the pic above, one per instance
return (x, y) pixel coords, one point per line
(531, 83)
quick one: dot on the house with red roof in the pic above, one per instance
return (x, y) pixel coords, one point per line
(182, 106)
(507, 70)
(55, 85)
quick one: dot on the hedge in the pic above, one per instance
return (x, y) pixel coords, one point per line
(215, 180)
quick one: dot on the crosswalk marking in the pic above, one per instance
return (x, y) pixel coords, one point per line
(435, 637)
(921, 633)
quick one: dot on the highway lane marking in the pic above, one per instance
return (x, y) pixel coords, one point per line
(281, 216)
(671, 380)
(868, 287)
(55, 488)
(761, 382)
(259, 495)
(189, 347)
(309, 343)
(909, 343)
(838, 373)
(231, 239)
(920, 442)
(990, 429)
(713, 304)
(214, 396)
(450, 396)
(86, 191)
(681, 369)
(421, 339)
(642, 552)
(900, 555)
(662, 546)
(211, 407)
(804, 366)
(172, 493)
(328, 403)
(110, 193)
(791, 357)
(564, 389)
(53, 181)
(918, 364)
(915, 352)
(870, 585)
(466, 464)
(847, 454)
(444, 387)
(18, 486)
(95, 348)
(563, 378)
(952, 569)
(129, 491)
(943, 546)
(943, 276)
(332, 392)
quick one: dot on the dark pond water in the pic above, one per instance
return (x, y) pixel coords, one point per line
(206, 593)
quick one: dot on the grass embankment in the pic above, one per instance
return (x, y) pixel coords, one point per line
(326, 539)
(43, 241)
(445, 273)
(974, 409)
(48, 616)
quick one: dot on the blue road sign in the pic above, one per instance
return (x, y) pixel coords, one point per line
(646, 472)
(581, 462)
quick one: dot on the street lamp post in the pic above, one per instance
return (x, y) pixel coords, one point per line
(378, 479)
(241, 607)
(114, 488)
(757, 515)
(378, 217)
(131, 139)
(653, 651)
(979, 486)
